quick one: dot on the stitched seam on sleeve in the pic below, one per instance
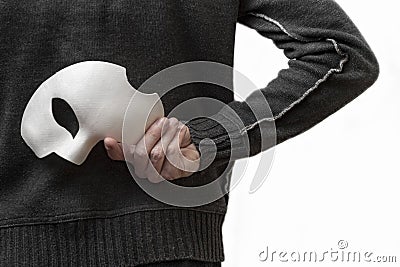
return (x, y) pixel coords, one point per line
(344, 59)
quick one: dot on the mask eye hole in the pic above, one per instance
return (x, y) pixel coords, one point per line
(64, 115)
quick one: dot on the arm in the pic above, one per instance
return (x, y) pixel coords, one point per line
(330, 64)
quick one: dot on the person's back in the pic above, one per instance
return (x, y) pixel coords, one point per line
(53, 212)
(95, 213)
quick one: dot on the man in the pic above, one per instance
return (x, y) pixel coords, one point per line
(55, 213)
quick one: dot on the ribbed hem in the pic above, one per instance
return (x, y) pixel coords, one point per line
(128, 240)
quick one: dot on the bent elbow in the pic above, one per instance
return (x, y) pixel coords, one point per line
(368, 68)
(372, 70)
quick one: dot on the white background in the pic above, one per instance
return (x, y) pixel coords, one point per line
(338, 181)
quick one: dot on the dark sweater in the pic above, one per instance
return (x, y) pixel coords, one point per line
(53, 212)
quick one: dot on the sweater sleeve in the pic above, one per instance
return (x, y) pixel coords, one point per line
(330, 64)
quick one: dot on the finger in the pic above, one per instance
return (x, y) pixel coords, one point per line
(173, 166)
(170, 172)
(184, 135)
(157, 154)
(187, 162)
(156, 157)
(153, 170)
(113, 148)
(145, 145)
(181, 156)
(190, 160)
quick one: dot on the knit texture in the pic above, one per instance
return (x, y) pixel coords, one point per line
(129, 240)
(330, 64)
(53, 213)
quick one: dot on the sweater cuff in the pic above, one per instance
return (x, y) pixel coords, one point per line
(219, 137)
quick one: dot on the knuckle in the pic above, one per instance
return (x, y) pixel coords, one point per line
(163, 120)
(153, 134)
(174, 121)
(183, 127)
(164, 127)
(156, 153)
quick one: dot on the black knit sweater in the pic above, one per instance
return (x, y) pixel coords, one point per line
(56, 213)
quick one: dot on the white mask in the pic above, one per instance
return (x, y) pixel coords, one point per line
(98, 93)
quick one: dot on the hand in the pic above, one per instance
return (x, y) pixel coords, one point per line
(165, 150)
